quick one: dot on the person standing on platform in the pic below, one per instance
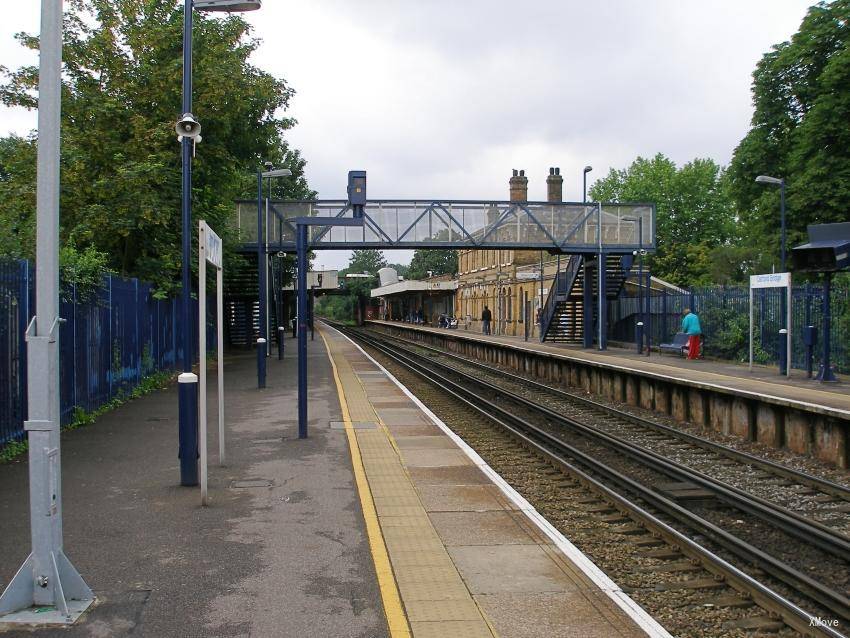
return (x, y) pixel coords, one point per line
(691, 327)
(486, 317)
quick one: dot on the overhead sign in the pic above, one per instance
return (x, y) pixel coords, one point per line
(527, 276)
(213, 246)
(772, 280)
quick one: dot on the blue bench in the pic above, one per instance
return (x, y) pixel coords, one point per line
(678, 346)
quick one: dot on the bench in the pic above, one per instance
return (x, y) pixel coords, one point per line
(678, 346)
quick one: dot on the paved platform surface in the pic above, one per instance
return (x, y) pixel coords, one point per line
(288, 559)
(467, 560)
(762, 380)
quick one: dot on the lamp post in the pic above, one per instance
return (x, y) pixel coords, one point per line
(584, 173)
(189, 129)
(262, 269)
(776, 181)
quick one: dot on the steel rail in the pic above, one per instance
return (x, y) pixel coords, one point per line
(792, 523)
(750, 554)
(827, 487)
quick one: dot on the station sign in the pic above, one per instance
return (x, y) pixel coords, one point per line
(771, 280)
(213, 246)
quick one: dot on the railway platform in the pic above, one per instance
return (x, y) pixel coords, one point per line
(381, 523)
(795, 413)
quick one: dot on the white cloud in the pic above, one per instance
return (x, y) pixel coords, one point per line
(444, 98)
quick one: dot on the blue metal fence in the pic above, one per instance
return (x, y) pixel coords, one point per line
(724, 315)
(107, 344)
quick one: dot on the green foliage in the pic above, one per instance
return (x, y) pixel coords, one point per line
(799, 132)
(439, 262)
(17, 197)
(343, 307)
(157, 381)
(694, 213)
(120, 160)
(84, 269)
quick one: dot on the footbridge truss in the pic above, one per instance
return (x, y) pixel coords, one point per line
(567, 228)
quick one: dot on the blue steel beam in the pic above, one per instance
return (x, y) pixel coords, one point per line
(462, 224)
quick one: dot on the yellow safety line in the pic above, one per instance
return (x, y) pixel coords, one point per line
(396, 618)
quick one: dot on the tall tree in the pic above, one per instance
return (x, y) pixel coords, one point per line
(694, 214)
(437, 262)
(799, 132)
(120, 159)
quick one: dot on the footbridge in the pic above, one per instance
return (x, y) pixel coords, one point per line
(565, 228)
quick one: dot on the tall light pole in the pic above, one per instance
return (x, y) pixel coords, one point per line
(47, 589)
(783, 343)
(584, 173)
(188, 129)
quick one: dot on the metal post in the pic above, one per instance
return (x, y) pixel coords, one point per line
(301, 245)
(587, 304)
(782, 224)
(281, 335)
(261, 286)
(47, 578)
(261, 362)
(219, 291)
(202, 363)
(601, 268)
(188, 393)
(826, 375)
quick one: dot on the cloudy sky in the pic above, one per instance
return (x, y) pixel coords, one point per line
(442, 98)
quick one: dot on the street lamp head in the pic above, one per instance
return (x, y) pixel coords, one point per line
(227, 5)
(587, 169)
(280, 172)
(764, 179)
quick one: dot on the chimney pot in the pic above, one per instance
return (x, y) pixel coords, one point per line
(519, 186)
(554, 186)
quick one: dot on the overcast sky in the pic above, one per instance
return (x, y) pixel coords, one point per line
(442, 98)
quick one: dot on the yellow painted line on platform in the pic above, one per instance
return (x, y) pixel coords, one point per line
(393, 609)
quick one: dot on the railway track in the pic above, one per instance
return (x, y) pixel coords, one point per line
(542, 430)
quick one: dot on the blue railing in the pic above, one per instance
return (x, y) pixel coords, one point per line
(724, 315)
(107, 344)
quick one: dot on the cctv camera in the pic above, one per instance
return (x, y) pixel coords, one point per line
(188, 126)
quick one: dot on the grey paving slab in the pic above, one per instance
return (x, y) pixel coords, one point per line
(576, 614)
(460, 498)
(489, 569)
(434, 458)
(289, 559)
(418, 442)
(491, 528)
(402, 416)
(413, 430)
(462, 475)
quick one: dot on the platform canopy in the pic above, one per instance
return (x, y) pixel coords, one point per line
(410, 224)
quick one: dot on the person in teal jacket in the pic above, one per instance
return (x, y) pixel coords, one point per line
(691, 327)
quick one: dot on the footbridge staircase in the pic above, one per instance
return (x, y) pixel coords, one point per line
(564, 314)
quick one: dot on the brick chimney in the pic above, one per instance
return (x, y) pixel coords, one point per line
(519, 187)
(554, 186)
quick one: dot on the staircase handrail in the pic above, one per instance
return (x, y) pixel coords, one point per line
(561, 287)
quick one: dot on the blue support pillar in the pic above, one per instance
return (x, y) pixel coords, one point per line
(188, 394)
(301, 246)
(602, 313)
(826, 375)
(262, 287)
(587, 304)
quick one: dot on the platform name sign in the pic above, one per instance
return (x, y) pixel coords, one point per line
(773, 280)
(209, 251)
(213, 247)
